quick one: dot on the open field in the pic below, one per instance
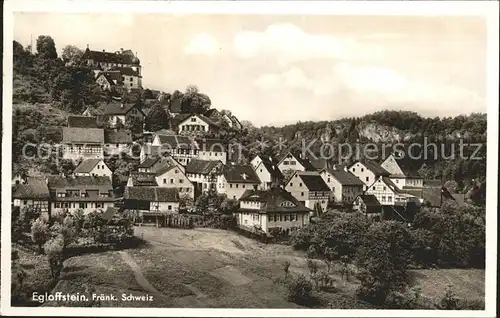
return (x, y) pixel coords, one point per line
(216, 268)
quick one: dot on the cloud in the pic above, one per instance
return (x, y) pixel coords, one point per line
(289, 43)
(202, 44)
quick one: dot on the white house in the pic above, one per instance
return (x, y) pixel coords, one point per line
(117, 113)
(204, 173)
(309, 188)
(268, 172)
(403, 172)
(387, 193)
(86, 143)
(295, 161)
(34, 192)
(236, 179)
(169, 175)
(93, 167)
(117, 141)
(181, 148)
(212, 149)
(195, 124)
(344, 186)
(271, 209)
(368, 172)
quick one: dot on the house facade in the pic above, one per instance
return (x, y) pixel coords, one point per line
(181, 148)
(204, 173)
(344, 186)
(82, 143)
(387, 193)
(35, 193)
(368, 172)
(368, 205)
(151, 201)
(117, 113)
(402, 172)
(117, 141)
(268, 172)
(309, 188)
(236, 179)
(271, 209)
(85, 193)
(196, 124)
(93, 168)
(170, 175)
(212, 149)
(294, 161)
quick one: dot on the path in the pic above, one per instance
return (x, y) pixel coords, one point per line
(139, 277)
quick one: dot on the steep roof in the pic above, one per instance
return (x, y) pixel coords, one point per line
(271, 166)
(198, 166)
(111, 57)
(143, 179)
(370, 200)
(34, 188)
(115, 107)
(313, 182)
(151, 194)
(164, 167)
(240, 174)
(120, 136)
(113, 76)
(410, 167)
(305, 162)
(80, 121)
(176, 142)
(87, 165)
(345, 178)
(391, 185)
(125, 71)
(83, 135)
(212, 112)
(149, 162)
(272, 201)
(107, 78)
(83, 182)
(373, 167)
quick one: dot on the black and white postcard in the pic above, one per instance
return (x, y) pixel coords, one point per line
(247, 158)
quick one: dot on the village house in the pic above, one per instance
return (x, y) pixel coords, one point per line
(368, 172)
(35, 193)
(236, 179)
(169, 175)
(368, 205)
(225, 118)
(94, 168)
(117, 113)
(236, 123)
(80, 121)
(85, 193)
(130, 78)
(309, 188)
(403, 171)
(142, 179)
(151, 201)
(271, 209)
(181, 148)
(212, 149)
(204, 173)
(196, 124)
(150, 151)
(213, 114)
(86, 143)
(268, 172)
(109, 79)
(117, 141)
(295, 161)
(344, 186)
(387, 193)
(152, 163)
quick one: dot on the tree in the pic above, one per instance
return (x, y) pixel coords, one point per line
(383, 260)
(157, 119)
(194, 102)
(39, 233)
(46, 47)
(71, 54)
(299, 291)
(134, 124)
(147, 94)
(202, 203)
(286, 267)
(54, 249)
(185, 202)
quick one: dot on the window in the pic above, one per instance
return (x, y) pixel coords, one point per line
(362, 169)
(99, 204)
(83, 205)
(397, 180)
(131, 84)
(164, 181)
(230, 185)
(293, 162)
(367, 179)
(333, 189)
(389, 198)
(383, 188)
(193, 119)
(285, 162)
(383, 198)
(328, 180)
(131, 79)
(260, 170)
(176, 171)
(117, 145)
(291, 184)
(243, 186)
(300, 184)
(123, 78)
(171, 181)
(353, 169)
(25, 202)
(181, 180)
(302, 194)
(287, 217)
(169, 207)
(237, 185)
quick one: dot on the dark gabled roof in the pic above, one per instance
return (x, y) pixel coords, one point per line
(120, 136)
(111, 57)
(272, 200)
(211, 145)
(82, 121)
(125, 71)
(410, 167)
(113, 76)
(143, 179)
(271, 166)
(176, 142)
(87, 165)
(60, 182)
(164, 167)
(149, 162)
(34, 188)
(370, 200)
(198, 166)
(151, 194)
(391, 185)
(175, 105)
(373, 167)
(107, 77)
(212, 112)
(345, 178)
(240, 174)
(83, 135)
(115, 107)
(313, 182)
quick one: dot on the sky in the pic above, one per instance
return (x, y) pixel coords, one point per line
(281, 69)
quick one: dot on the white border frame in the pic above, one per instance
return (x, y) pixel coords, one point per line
(487, 9)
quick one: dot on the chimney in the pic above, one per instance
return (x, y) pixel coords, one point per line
(345, 169)
(104, 51)
(121, 50)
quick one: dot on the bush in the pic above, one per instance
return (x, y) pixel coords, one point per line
(54, 249)
(299, 291)
(39, 233)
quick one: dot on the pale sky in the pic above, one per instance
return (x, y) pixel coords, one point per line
(276, 70)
